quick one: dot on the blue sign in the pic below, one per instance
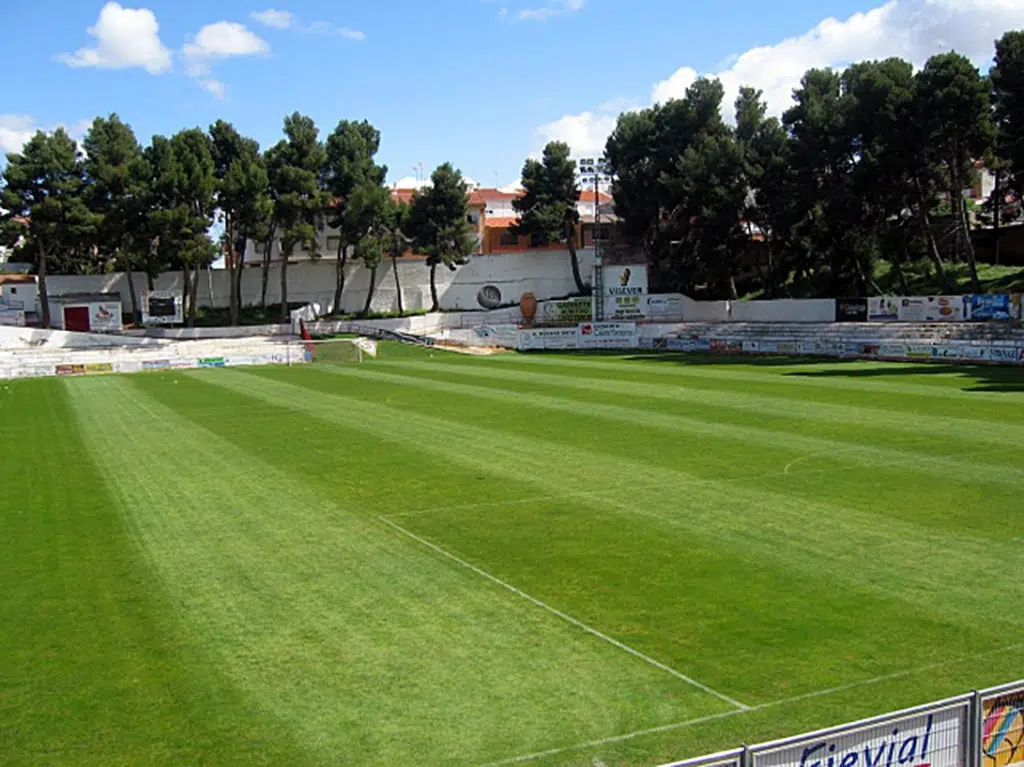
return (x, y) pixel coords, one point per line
(986, 308)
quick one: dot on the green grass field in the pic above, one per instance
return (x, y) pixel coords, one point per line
(540, 560)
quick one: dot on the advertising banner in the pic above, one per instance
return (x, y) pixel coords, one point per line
(98, 367)
(1005, 354)
(883, 309)
(548, 338)
(625, 292)
(105, 316)
(607, 335)
(724, 759)
(682, 344)
(161, 307)
(70, 370)
(665, 307)
(851, 310)
(187, 364)
(931, 309)
(156, 364)
(1002, 730)
(999, 307)
(572, 311)
(11, 316)
(934, 739)
(211, 362)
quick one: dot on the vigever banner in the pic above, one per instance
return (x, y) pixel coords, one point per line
(937, 738)
(625, 292)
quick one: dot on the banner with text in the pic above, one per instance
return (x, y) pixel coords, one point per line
(1002, 729)
(570, 311)
(625, 292)
(1000, 307)
(931, 309)
(607, 335)
(851, 310)
(937, 738)
(537, 339)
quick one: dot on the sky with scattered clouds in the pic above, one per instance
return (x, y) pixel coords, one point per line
(480, 83)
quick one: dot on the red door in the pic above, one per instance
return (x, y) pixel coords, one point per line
(76, 318)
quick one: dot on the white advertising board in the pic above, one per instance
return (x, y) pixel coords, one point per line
(937, 738)
(607, 335)
(105, 316)
(667, 306)
(162, 307)
(547, 338)
(625, 292)
(930, 309)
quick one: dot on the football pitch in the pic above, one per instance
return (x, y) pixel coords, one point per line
(437, 559)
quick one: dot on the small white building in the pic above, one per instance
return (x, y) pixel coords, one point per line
(87, 312)
(19, 299)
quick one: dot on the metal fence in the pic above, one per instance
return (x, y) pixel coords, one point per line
(978, 729)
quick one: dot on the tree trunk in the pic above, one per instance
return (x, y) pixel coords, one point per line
(131, 287)
(232, 257)
(926, 224)
(284, 287)
(972, 264)
(186, 290)
(733, 293)
(996, 211)
(398, 285)
(44, 296)
(339, 281)
(193, 302)
(369, 292)
(434, 303)
(236, 279)
(570, 241)
(267, 248)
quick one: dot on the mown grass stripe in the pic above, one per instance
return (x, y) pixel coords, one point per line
(364, 646)
(980, 431)
(868, 455)
(822, 540)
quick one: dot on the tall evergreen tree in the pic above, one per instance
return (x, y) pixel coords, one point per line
(42, 204)
(296, 165)
(438, 223)
(116, 174)
(547, 210)
(351, 148)
(1007, 77)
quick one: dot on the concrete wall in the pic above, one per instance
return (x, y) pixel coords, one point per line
(546, 274)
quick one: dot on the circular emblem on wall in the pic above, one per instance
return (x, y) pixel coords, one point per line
(489, 297)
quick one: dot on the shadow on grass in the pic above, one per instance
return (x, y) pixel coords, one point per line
(975, 378)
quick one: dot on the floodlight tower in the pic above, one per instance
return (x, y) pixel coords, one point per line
(595, 170)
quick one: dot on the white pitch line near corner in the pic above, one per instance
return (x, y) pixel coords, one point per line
(726, 714)
(568, 618)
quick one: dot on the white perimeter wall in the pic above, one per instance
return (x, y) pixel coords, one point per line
(546, 274)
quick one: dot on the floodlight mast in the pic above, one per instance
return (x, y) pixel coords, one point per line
(596, 171)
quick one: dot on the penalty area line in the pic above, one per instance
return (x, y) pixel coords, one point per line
(568, 618)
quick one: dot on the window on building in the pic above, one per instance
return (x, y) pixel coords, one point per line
(333, 243)
(604, 233)
(258, 248)
(14, 291)
(509, 240)
(469, 218)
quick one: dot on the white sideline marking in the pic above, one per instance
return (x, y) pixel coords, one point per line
(727, 714)
(568, 618)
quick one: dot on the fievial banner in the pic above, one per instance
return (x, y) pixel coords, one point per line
(934, 739)
(1002, 730)
(625, 292)
(105, 316)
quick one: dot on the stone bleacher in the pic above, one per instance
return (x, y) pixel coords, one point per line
(853, 332)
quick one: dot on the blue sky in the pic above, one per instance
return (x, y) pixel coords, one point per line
(480, 83)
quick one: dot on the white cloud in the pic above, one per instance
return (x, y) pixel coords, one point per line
(15, 130)
(125, 38)
(213, 42)
(214, 87)
(326, 28)
(911, 29)
(274, 18)
(546, 12)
